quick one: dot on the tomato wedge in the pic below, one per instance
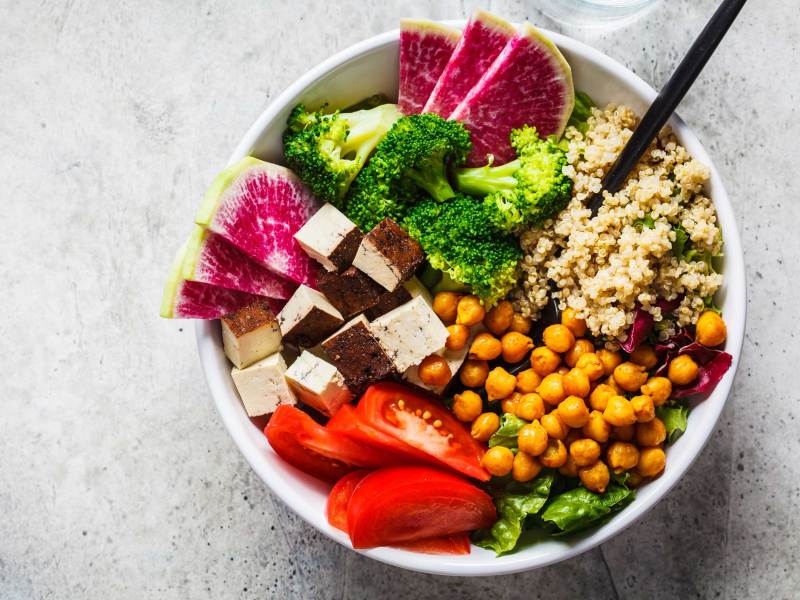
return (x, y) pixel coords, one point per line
(284, 430)
(424, 424)
(458, 543)
(406, 504)
(339, 498)
(337, 446)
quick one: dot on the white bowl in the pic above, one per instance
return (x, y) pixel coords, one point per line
(371, 67)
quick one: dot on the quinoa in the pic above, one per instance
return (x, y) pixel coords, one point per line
(605, 266)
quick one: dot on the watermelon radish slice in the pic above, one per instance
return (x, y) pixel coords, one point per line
(425, 49)
(258, 207)
(210, 259)
(194, 300)
(530, 83)
(484, 38)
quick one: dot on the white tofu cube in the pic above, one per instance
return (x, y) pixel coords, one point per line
(409, 333)
(415, 288)
(388, 255)
(330, 238)
(262, 386)
(318, 383)
(250, 334)
(454, 358)
(308, 318)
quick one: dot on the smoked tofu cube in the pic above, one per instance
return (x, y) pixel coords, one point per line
(388, 255)
(318, 383)
(330, 238)
(250, 334)
(358, 356)
(388, 301)
(409, 333)
(262, 386)
(308, 318)
(351, 292)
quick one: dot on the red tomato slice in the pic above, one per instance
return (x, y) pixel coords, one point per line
(282, 431)
(339, 498)
(458, 543)
(409, 416)
(337, 446)
(404, 504)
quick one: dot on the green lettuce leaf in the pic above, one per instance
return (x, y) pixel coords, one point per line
(519, 501)
(578, 509)
(581, 113)
(646, 223)
(675, 417)
(508, 432)
(679, 246)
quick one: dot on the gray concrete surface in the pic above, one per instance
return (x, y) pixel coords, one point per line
(117, 479)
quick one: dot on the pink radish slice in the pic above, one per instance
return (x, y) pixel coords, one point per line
(425, 48)
(258, 207)
(210, 259)
(530, 83)
(484, 38)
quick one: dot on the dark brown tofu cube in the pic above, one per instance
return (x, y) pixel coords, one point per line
(351, 293)
(308, 318)
(388, 255)
(388, 301)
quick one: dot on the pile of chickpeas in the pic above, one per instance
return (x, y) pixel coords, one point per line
(573, 396)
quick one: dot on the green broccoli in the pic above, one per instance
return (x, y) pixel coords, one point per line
(407, 165)
(328, 150)
(458, 239)
(527, 191)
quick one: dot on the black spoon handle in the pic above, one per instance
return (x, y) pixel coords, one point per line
(668, 99)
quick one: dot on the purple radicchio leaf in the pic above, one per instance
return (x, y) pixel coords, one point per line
(713, 363)
(643, 323)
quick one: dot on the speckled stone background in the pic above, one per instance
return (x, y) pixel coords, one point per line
(117, 478)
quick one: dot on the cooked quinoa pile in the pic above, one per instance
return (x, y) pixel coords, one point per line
(604, 267)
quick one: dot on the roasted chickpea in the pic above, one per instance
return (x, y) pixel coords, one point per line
(584, 451)
(470, 311)
(570, 319)
(710, 330)
(498, 461)
(525, 467)
(634, 479)
(530, 407)
(485, 426)
(544, 361)
(562, 370)
(596, 477)
(578, 349)
(527, 381)
(498, 319)
(573, 411)
(658, 388)
(485, 347)
(622, 456)
(623, 433)
(554, 426)
(651, 433)
(596, 427)
(500, 384)
(569, 468)
(609, 359)
(619, 411)
(576, 383)
(558, 338)
(643, 408)
(467, 406)
(552, 389)
(682, 370)
(645, 356)
(590, 364)
(598, 399)
(515, 346)
(474, 373)
(532, 438)
(445, 305)
(652, 461)
(613, 385)
(509, 405)
(521, 324)
(630, 376)
(434, 370)
(457, 337)
(555, 455)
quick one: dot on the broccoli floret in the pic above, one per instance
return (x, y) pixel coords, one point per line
(408, 164)
(458, 239)
(527, 191)
(328, 150)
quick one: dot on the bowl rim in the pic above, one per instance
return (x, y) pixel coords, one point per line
(735, 306)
